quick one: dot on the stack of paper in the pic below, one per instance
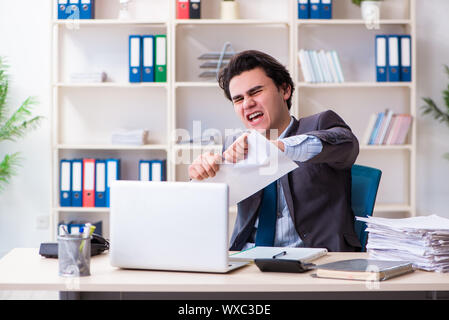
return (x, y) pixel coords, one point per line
(88, 77)
(134, 137)
(423, 240)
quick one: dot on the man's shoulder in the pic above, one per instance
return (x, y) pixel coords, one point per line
(328, 114)
(328, 118)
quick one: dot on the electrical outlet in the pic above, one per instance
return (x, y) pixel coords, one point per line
(42, 222)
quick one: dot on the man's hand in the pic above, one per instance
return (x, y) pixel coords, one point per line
(278, 144)
(238, 150)
(205, 166)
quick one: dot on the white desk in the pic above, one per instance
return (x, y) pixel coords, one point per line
(25, 269)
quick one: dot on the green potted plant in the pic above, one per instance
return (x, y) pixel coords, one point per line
(13, 127)
(441, 115)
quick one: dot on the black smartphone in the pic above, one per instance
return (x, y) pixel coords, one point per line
(283, 265)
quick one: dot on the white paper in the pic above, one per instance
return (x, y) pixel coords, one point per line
(265, 163)
(303, 254)
(423, 240)
(432, 222)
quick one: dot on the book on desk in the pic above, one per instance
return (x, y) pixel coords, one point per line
(363, 269)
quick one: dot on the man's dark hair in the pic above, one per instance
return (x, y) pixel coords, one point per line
(251, 59)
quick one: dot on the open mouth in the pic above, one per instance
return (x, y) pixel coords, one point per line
(254, 117)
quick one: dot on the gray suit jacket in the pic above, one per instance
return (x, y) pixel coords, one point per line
(318, 192)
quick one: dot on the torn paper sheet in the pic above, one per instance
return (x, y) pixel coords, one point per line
(265, 163)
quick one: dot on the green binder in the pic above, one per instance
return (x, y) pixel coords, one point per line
(160, 48)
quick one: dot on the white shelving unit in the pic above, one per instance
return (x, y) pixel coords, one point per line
(85, 115)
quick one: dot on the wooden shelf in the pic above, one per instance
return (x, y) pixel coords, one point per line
(82, 209)
(109, 22)
(230, 22)
(111, 85)
(198, 146)
(203, 84)
(111, 147)
(351, 22)
(355, 85)
(278, 33)
(386, 147)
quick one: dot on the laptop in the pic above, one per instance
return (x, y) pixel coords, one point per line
(179, 226)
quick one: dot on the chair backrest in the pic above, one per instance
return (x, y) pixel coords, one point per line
(365, 182)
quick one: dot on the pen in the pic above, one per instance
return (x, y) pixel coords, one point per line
(283, 253)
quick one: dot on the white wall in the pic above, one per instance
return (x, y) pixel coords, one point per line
(433, 137)
(25, 40)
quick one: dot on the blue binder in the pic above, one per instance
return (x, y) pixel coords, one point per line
(303, 9)
(406, 58)
(112, 174)
(135, 59)
(394, 55)
(73, 9)
(381, 58)
(148, 58)
(100, 183)
(77, 183)
(157, 171)
(314, 7)
(326, 9)
(62, 7)
(144, 170)
(87, 9)
(65, 183)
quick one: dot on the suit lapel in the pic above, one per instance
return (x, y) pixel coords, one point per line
(284, 180)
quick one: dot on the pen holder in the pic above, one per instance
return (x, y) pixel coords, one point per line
(74, 255)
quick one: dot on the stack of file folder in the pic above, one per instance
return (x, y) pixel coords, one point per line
(148, 58)
(76, 9)
(320, 66)
(314, 9)
(153, 170)
(422, 240)
(393, 58)
(86, 182)
(188, 9)
(132, 137)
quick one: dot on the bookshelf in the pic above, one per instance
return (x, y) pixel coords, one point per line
(271, 26)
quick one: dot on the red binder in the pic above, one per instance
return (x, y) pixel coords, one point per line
(88, 182)
(182, 9)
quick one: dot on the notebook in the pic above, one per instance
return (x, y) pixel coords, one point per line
(301, 254)
(363, 269)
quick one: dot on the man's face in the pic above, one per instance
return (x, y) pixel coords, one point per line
(258, 102)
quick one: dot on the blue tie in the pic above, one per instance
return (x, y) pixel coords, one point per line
(267, 216)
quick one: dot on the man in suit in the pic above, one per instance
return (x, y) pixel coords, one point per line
(311, 205)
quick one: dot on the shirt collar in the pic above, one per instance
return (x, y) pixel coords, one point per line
(286, 129)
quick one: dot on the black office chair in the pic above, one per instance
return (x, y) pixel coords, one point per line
(365, 183)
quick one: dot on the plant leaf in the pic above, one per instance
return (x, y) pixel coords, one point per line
(8, 168)
(446, 156)
(3, 89)
(432, 108)
(19, 123)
